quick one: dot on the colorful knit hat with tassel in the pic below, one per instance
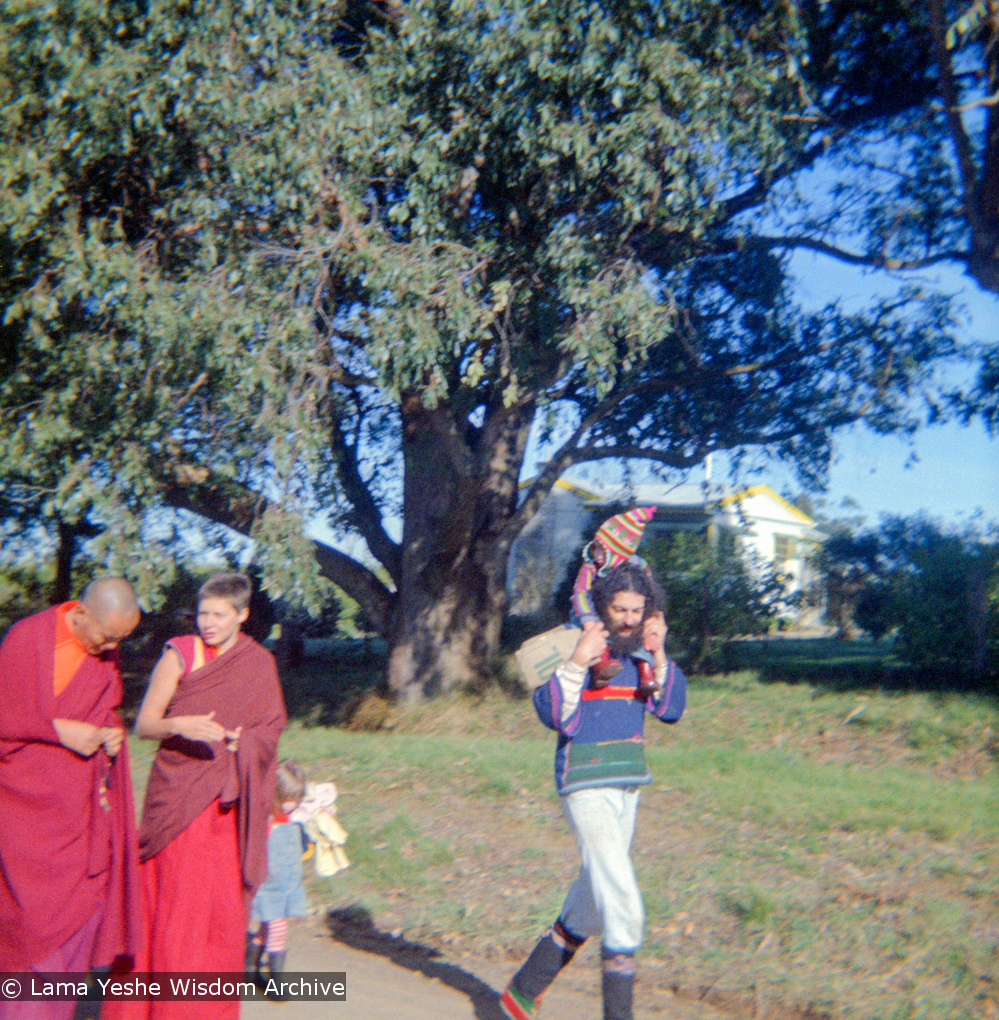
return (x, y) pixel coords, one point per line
(620, 534)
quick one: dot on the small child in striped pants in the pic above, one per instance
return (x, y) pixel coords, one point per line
(282, 895)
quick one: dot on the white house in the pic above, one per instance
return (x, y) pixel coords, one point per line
(761, 525)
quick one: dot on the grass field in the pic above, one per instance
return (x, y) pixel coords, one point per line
(811, 847)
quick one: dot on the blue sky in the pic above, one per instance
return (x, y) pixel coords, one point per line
(949, 472)
(955, 478)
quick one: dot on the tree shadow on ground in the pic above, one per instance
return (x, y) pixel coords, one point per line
(354, 927)
(335, 681)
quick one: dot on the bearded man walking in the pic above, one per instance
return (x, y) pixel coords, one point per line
(599, 770)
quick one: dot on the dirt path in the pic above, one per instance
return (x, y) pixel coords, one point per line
(396, 980)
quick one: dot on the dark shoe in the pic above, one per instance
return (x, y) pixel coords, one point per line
(604, 671)
(618, 986)
(251, 957)
(618, 993)
(551, 953)
(275, 968)
(647, 685)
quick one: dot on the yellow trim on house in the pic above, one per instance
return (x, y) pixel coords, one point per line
(763, 489)
(576, 490)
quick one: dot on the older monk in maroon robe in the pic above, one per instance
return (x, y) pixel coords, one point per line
(69, 892)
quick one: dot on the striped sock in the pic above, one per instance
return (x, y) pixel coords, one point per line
(277, 932)
(516, 1007)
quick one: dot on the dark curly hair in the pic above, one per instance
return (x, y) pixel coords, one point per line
(628, 577)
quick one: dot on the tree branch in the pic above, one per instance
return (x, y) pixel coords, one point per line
(235, 507)
(767, 243)
(681, 461)
(949, 94)
(366, 515)
(887, 106)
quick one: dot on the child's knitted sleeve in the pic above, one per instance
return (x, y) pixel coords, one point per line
(582, 601)
(671, 699)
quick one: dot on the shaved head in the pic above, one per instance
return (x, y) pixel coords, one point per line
(110, 596)
(106, 614)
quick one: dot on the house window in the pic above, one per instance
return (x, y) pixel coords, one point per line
(784, 547)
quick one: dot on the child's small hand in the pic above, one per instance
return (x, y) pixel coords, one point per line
(599, 553)
(232, 739)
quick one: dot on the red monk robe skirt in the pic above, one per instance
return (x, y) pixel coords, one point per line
(195, 895)
(193, 915)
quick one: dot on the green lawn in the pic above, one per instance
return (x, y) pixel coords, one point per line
(817, 846)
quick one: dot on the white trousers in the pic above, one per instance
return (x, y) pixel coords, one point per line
(605, 898)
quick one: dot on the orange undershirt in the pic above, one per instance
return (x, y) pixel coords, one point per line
(69, 653)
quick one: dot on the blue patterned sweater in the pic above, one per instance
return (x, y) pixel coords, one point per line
(602, 742)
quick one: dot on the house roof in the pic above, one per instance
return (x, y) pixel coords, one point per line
(688, 496)
(686, 501)
(765, 490)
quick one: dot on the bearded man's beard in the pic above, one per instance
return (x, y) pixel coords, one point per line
(623, 645)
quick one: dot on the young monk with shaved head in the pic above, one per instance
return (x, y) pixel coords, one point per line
(68, 854)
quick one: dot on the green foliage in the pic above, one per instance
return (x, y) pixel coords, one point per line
(269, 261)
(28, 576)
(876, 611)
(849, 562)
(712, 591)
(22, 592)
(327, 623)
(946, 593)
(128, 340)
(937, 589)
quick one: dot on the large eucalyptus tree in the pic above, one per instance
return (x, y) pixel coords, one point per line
(272, 261)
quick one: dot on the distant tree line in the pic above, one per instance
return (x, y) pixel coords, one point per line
(936, 591)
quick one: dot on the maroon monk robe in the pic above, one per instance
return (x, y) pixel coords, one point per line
(67, 823)
(241, 686)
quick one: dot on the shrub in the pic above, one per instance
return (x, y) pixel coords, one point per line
(937, 589)
(713, 592)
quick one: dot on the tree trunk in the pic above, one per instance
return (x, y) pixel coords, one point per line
(445, 640)
(443, 611)
(458, 498)
(62, 586)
